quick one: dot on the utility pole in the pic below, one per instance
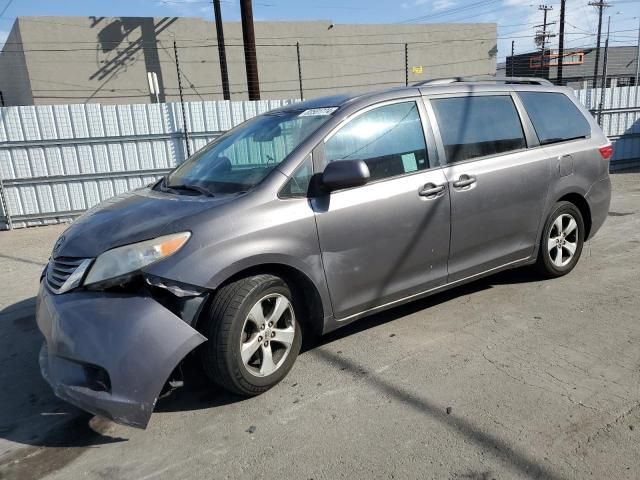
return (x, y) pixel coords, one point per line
(600, 4)
(561, 43)
(406, 64)
(250, 58)
(222, 53)
(299, 70)
(513, 48)
(184, 115)
(541, 36)
(604, 73)
(637, 59)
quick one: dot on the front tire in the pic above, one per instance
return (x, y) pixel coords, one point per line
(253, 333)
(562, 240)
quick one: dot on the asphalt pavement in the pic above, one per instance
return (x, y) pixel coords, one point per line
(508, 377)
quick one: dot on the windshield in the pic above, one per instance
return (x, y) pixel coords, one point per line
(244, 156)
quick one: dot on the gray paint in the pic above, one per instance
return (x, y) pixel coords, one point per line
(363, 249)
(106, 63)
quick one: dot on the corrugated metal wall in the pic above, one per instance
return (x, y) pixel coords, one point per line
(57, 161)
(620, 121)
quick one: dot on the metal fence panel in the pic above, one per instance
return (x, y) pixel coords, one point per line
(620, 120)
(57, 161)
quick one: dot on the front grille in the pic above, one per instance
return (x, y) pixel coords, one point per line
(60, 269)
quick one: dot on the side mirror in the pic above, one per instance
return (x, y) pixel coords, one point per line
(345, 174)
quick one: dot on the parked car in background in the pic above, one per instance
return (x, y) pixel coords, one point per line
(307, 218)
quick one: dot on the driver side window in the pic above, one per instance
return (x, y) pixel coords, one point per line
(389, 139)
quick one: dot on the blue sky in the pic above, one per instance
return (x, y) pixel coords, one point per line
(515, 18)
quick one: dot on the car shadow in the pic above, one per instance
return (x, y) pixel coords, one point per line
(198, 393)
(31, 415)
(515, 276)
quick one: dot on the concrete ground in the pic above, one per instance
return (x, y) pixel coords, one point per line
(509, 377)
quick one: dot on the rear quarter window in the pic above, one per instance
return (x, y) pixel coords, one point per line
(555, 117)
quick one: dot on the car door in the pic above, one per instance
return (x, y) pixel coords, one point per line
(497, 185)
(389, 238)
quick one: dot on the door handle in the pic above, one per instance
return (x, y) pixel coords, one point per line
(430, 190)
(464, 181)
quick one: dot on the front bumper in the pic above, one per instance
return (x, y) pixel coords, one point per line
(110, 353)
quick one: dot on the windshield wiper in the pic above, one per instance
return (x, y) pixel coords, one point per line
(193, 188)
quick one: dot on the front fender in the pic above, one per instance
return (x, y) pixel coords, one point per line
(279, 232)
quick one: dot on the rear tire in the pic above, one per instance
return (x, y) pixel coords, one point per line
(562, 240)
(253, 335)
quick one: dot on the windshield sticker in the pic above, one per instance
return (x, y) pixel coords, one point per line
(318, 112)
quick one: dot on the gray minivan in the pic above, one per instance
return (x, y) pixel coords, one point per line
(307, 218)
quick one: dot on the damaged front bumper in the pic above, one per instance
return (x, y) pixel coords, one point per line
(110, 353)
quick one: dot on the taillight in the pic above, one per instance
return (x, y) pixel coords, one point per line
(606, 152)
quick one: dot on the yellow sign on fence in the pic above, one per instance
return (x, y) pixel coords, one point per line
(416, 70)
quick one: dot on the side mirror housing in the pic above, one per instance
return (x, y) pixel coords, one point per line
(344, 174)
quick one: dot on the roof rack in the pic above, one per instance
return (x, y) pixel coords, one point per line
(507, 80)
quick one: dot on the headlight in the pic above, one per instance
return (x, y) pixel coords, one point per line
(129, 258)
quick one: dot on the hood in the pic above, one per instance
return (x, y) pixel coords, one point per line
(128, 218)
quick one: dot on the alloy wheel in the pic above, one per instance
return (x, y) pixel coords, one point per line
(563, 240)
(267, 335)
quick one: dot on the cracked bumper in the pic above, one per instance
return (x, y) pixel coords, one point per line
(110, 354)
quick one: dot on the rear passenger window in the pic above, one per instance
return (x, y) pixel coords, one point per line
(554, 117)
(389, 139)
(477, 126)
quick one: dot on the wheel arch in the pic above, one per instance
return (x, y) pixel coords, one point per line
(574, 197)
(581, 203)
(301, 285)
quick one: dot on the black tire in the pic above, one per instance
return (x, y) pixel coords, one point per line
(224, 324)
(545, 263)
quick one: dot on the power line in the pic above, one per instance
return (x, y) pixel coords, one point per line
(311, 44)
(6, 7)
(153, 45)
(450, 11)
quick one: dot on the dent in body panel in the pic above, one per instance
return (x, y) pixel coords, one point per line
(135, 340)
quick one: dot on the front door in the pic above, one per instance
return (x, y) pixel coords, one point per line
(498, 187)
(388, 239)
